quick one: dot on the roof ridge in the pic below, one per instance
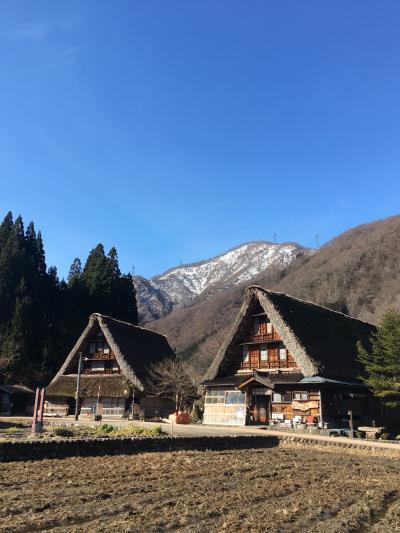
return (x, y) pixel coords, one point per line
(309, 302)
(126, 323)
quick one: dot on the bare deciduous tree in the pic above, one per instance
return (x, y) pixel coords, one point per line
(169, 379)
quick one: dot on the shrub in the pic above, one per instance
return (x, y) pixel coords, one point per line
(107, 428)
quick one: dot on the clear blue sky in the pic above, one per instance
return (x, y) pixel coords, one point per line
(177, 129)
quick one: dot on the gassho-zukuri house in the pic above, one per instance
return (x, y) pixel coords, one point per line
(115, 359)
(287, 360)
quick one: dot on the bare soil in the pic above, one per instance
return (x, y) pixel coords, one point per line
(290, 488)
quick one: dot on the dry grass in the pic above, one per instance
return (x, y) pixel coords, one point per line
(289, 488)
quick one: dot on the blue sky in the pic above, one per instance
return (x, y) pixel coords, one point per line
(175, 130)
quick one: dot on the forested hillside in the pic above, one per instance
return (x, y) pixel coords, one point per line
(41, 316)
(357, 273)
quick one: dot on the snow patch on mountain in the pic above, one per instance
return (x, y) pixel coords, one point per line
(178, 286)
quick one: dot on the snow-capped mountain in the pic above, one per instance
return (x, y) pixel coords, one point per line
(178, 286)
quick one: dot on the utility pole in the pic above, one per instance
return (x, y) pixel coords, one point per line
(78, 387)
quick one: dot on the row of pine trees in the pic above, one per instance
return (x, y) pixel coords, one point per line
(41, 316)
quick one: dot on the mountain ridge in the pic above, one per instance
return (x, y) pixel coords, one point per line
(357, 272)
(178, 286)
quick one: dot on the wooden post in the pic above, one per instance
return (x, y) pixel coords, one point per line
(350, 413)
(41, 406)
(320, 409)
(35, 411)
(78, 386)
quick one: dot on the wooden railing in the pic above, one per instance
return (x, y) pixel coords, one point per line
(263, 337)
(268, 364)
(101, 355)
(105, 371)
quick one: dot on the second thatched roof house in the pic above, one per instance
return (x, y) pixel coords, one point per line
(287, 360)
(115, 359)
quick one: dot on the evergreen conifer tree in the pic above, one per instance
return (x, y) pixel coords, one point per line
(41, 317)
(382, 359)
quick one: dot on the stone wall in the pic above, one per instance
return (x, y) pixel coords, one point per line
(57, 449)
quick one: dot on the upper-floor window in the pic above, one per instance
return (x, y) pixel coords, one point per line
(263, 352)
(300, 396)
(281, 397)
(256, 325)
(97, 366)
(97, 346)
(245, 354)
(282, 354)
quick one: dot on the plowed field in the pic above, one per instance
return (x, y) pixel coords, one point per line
(290, 488)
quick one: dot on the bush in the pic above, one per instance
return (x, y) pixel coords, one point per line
(128, 431)
(196, 416)
(107, 428)
(138, 430)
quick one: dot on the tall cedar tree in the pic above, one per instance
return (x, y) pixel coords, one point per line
(41, 317)
(382, 360)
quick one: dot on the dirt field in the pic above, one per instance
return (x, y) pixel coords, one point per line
(289, 488)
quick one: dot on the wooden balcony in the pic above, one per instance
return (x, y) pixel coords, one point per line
(247, 365)
(102, 372)
(101, 356)
(262, 338)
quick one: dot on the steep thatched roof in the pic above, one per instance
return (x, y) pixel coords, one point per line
(135, 348)
(323, 342)
(111, 386)
(16, 389)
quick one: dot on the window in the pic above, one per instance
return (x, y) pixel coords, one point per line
(269, 328)
(282, 354)
(300, 396)
(230, 397)
(92, 347)
(215, 396)
(256, 326)
(245, 354)
(264, 352)
(106, 348)
(234, 397)
(97, 366)
(281, 397)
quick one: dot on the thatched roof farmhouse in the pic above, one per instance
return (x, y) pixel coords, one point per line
(287, 359)
(116, 357)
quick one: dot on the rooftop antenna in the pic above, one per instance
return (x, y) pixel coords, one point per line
(317, 240)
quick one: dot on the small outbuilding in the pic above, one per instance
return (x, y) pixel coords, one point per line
(115, 358)
(15, 400)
